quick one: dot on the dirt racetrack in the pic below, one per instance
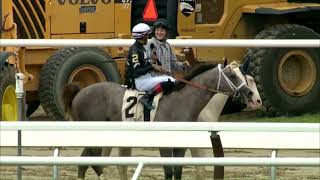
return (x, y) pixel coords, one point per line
(156, 172)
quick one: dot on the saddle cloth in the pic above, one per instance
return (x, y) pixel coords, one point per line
(132, 109)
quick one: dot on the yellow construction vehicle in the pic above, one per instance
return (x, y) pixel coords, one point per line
(288, 78)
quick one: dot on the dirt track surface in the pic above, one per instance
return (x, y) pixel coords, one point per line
(156, 172)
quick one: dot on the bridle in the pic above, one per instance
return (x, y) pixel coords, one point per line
(230, 83)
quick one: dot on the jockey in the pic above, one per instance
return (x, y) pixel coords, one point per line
(160, 50)
(139, 68)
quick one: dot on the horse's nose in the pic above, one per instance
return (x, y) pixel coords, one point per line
(258, 101)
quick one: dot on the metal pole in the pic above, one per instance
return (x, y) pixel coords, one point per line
(274, 168)
(55, 167)
(152, 161)
(19, 176)
(20, 102)
(137, 172)
(267, 43)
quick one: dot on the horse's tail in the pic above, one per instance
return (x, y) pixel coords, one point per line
(68, 94)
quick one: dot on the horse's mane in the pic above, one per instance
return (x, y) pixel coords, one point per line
(194, 72)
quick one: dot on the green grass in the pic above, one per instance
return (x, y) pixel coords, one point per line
(253, 117)
(308, 118)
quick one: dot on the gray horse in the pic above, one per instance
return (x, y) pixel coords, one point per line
(218, 105)
(103, 101)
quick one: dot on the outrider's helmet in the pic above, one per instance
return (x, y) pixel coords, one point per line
(163, 23)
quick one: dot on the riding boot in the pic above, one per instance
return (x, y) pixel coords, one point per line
(146, 100)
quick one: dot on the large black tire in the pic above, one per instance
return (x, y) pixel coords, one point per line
(60, 68)
(288, 79)
(7, 86)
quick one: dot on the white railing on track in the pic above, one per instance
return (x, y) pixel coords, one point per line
(174, 42)
(222, 161)
(161, 126)
(301, 129)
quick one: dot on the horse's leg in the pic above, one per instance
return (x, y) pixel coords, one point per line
(200, 170)
(168, 171)
(105, 153)
(90, 151)
(96, 152)
(123, 173)
(83, 169)
(178, 152)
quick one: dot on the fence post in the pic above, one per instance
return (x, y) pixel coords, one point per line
(273, 168)
(217, 152)
(55, 171)
(21, 113)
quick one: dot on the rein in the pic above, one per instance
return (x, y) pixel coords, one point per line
(204, 87)
(199, 86)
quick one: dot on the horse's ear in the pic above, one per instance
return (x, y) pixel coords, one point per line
(243, 72)
(225, 63)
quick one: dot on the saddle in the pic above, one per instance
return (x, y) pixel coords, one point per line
(133, 110)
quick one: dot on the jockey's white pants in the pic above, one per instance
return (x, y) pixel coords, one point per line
(147, 82)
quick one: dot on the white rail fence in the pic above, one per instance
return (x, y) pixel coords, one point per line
(225, 161)
(161, 126)
(283, 43)
(34, 129)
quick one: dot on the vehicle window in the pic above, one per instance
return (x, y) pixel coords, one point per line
(209, 11)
